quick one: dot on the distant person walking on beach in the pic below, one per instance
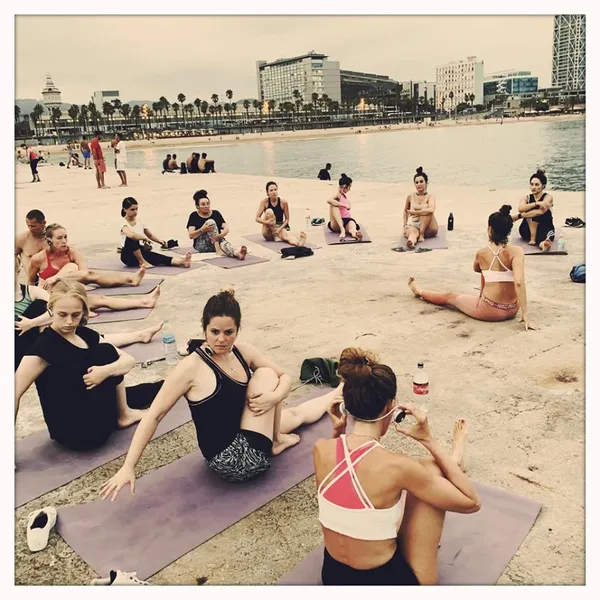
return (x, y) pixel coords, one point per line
(99, 163)
(121, 159)
(324, 173)
(84, 146)
(340, 217)
(208, 229)
(274, 216)
(502, 269)
(419, 209)
(33, 159)
(70, 153)
(206, 165)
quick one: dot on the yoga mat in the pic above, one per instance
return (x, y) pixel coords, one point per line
(151, 352)
(226, 262)
(438, 242)
(145, 287)
(178, 507)
(517, 240)
(333, 239)
(113, 263)
(43, 465)
(183, 250)
(106, 315)
(257, 238)
(475, 548)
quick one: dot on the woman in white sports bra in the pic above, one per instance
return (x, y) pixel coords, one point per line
(502, 269)
(419, 212)
(382, 512)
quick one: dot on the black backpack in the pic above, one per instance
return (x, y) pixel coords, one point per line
(296, 251)
(183, 169)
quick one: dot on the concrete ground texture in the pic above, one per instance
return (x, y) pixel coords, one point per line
(522, 392)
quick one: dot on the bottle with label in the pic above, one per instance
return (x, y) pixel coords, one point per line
(307, 215)
(562, 243)
(450, 222)
(421, 387)
(169, 343)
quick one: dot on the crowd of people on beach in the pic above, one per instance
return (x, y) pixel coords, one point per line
(381, 512)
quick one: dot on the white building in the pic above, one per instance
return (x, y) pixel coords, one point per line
(568, 52)
(100, 98)
(310, 73)
(460, 77)
(51, 95)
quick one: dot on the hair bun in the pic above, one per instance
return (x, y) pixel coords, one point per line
(356, 365)
(228, 292)
(505, 210)
(419, 170)
(541, 170)
(344, 175)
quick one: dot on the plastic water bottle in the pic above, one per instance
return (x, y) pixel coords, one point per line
(562, 243)
(421, 387)
(170, 344)
(307, 215)
(450, 222)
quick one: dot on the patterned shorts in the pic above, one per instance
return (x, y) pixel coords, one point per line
(239, 461)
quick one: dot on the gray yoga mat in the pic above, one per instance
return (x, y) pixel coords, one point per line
(116, 316)
(183, 250)
(517, 240)
(113, 263)
(43, 465)
(333, 239)
(144, 353)
(257, 238)
(146, 286)
(438, 242)
(475, 548)
(178, 507)
(226, 262)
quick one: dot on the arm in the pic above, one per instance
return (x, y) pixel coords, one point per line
(259, 212)
(334, 201)
(34, 267)
(193, 233)
(24, 324)
(133, 235)
(78, 259)
(425, 211)
(525, 206)
(224, 231)
(29, 370)
(19, 243)
(286, 216)
(518, 268)
(97, 374)
(406, 209)
(152, 237)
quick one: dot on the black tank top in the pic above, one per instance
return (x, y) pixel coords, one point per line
(278, 210)
(545, 220)
(217, 417)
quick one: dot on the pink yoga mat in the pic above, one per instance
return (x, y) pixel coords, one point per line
(475, 549)
(257, 238)
(438, 242)
(225, 262)
(112, 263)
(333, 239)
(146, 286)
(147, 353)
(517, 240)
(116, 316)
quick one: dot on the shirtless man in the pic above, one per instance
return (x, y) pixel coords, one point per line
(30, 242)
(84, 146)
(173, 163)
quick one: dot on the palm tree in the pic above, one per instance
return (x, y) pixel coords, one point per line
(472, 98)
(156, 108)
(256, 105)
(215, 99)
(204, 109)
(33, 116)
(164, 108)
(234, 109)
(74, 113)
(17, 113)
(55, 115)
(442, 102)
(175, 107)
(212, 109)
(229, 95)
(84, 111)
(247, 108)
(271, 106)
(135, 113)
(107, 110)
(227, 109)
(198, 104)
(126, 111)
(451, 96)
(117, 105)
(189, 109)
(94, 114)
(219, 109)
(181, 99)
(315, 100)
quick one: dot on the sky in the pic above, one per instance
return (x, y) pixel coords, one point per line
(145, 57)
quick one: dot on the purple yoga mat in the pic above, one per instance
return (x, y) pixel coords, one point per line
(257, 238)
(43, 465)
(178, 507)
(116, 316)
(517, 240)
(146, 286)
(113, 263)
(475, 548)
(439, 242)
(226, 262)
(333, 239)
(151, 352)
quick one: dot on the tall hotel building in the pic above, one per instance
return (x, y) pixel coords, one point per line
(310, 73)
(461, 77)
(568, 52)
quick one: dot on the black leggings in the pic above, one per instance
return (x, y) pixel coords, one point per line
(33, 164)
(154, 258)
(544, 231)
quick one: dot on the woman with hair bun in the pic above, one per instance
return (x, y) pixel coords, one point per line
(235, 395)
(502, 269)
(419, 208)
(381, 512)
(537, 227)
(340, 217)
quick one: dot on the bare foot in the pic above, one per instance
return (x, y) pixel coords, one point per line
(137, 278)
(187, 261)
(147, 265)
(545, 245)
(421, 239)
(410, 244)
(152, 299)
(358, 236)
(532, 243)
(147, 334)
(343, 236)
(302, 239)
(183, 350)
(92, 314)
(459, 437)
(284, 441)
(243, 252)
(133, 415)
(412, 284)
(122, 185)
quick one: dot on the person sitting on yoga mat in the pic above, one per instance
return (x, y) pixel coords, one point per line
(502, 269)
(79, 376)
(537, 226)
(419, 209)
(208, 229)
(136, 242)
(235, 395)
(340, 217)
(382, 512)
(60, 261)
(274, 216)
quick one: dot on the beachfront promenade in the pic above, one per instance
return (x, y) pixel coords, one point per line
(522, 392)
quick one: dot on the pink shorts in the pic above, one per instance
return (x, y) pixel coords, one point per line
(100, 165)
(483, 308)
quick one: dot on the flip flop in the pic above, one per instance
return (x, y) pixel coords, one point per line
(421, 249)
(399, 249)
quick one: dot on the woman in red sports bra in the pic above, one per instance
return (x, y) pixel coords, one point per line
(382, 512)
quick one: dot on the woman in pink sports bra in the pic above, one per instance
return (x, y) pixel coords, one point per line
(382, 512)
(340, 217)
(502, 269)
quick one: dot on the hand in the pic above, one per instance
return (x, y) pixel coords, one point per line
(95, 376)
(217, 237)
(123, 476)
(528, 324)
(420, 430)
(24, 325)
(338, 420)
(259, 403)
(48, 283)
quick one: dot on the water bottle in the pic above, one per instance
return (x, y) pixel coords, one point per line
(307, 218)
(420, 387)
(450, 222)
(562, 243)
(170, 344)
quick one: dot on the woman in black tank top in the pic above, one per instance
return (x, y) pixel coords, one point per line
(274, 216)
(235, 396)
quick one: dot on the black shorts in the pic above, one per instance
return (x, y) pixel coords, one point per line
(345, 221)
(394, 572)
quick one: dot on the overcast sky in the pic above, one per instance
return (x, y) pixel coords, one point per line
(152, 56)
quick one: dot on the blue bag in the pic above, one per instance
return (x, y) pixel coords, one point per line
(578, 273)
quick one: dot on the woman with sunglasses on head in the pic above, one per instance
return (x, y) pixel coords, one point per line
(340, 217)
(381, 512)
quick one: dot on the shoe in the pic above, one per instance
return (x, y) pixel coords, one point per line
(569, 221)
(120, 578)
(399, 249)
(579, 223)
(39, 524)
(421, 249)
(317, 221)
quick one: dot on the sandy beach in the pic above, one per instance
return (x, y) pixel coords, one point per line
(521, 392)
